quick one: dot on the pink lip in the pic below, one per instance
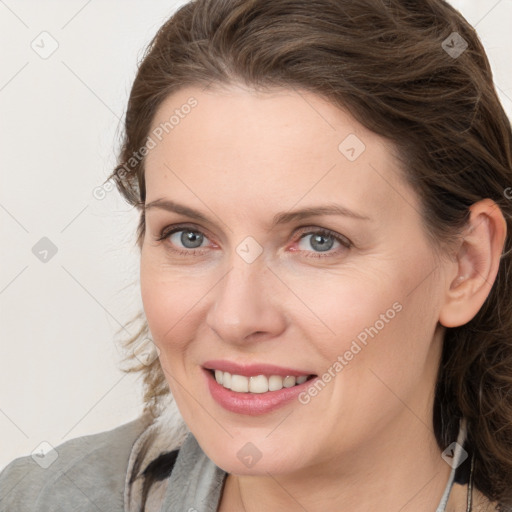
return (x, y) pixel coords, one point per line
(252, 404)
(250, 370)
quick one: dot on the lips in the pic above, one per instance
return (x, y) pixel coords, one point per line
(254, 388)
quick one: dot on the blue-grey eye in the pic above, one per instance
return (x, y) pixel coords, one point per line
(320, 242)
(188, 238)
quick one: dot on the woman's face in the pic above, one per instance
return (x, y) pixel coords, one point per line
(247, 285)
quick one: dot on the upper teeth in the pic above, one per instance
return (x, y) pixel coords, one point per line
(258, 383)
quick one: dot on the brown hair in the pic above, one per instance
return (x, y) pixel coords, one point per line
(387, 62)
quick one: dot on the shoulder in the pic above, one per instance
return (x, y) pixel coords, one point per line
(88, 473)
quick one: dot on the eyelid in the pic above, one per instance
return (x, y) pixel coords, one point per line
(173, 228)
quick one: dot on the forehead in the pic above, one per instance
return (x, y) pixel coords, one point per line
(243, 146)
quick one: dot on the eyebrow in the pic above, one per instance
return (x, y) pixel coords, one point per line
(278, 219)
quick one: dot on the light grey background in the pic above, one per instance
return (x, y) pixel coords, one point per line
(60, 123)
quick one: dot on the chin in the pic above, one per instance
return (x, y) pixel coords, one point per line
(260, 467)
(260, 456)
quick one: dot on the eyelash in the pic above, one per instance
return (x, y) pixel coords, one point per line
(169, 230)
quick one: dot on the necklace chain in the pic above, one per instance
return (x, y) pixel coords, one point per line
(469, 500)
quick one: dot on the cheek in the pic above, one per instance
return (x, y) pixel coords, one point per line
(376, 318)
(348, 306)
(171, 301)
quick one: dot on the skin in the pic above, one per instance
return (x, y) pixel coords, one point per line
(366, 441)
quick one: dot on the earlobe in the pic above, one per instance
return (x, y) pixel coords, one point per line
(477, 263)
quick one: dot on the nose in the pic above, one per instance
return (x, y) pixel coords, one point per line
(246, 305)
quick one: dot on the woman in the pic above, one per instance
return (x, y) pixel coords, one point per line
(324, 198)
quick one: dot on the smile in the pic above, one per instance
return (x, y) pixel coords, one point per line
(254, 389)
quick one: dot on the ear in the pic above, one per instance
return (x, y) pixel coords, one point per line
(476, 264)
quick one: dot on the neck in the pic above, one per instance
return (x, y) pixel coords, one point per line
(367, 480)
